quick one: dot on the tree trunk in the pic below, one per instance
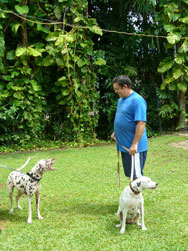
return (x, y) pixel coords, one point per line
(182, 105)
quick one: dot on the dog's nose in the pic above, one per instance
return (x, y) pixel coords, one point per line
(156, 184)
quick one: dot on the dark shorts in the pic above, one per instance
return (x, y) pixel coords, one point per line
(139, 162)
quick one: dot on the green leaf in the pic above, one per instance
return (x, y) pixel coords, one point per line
(1, 65)
(6, 77)
(182, 86)
(78, 19)
(35, 86)
(70, 38)
(169, 79)
(18, 95)
(179, 59)
(52, 36)
(20, 51)
(64, 51)
(63, 78)
(172, 87)
(173, 38)
(184, 20)
(40, 27)
(60, 62)
(165, 65)
(83, 45)
(95, 29)
(57, 11)
(184, 47)
(60, 40)
(15, 27)
(33, 52)
(185, 1)
(163, 85)
(177, 74)
(173, 16)
(24, 9)
(65, 92)
(10, 55)
(81, 62)
(169, 27)
(100, 61)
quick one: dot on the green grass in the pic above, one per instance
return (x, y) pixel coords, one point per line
(79, 199)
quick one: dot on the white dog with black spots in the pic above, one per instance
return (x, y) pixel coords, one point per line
(131, 203)
(28, 184)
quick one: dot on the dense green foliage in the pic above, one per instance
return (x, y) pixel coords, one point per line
(48, 71)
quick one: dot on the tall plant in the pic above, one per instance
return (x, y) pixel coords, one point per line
(174, 19)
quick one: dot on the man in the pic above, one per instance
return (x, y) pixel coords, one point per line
(129, 126)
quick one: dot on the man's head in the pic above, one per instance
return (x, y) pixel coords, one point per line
(122, 86)
(123, 80)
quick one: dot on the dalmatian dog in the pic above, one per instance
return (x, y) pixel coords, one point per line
(131, 203)
(28, 184)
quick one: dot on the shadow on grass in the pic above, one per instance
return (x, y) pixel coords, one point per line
(14, 217)
(89, 209)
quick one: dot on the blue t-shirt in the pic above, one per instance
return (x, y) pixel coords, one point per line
(129, 111)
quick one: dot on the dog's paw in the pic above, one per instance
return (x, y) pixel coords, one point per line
(118, 225)
(11, 210)
(144, 228)
(29, 221)
(40, 217)
(19, 208)
(122, 231)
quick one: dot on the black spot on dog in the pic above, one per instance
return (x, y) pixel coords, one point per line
(138, 184)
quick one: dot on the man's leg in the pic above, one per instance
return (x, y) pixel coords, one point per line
(139, 161)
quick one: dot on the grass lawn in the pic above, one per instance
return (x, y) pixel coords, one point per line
(79, 199)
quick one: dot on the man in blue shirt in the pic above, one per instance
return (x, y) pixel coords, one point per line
(129, 126)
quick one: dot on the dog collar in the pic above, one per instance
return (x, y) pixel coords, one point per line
(135, 192)
(33, 178)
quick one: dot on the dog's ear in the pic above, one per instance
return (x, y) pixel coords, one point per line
(138, 184)
(40, 168)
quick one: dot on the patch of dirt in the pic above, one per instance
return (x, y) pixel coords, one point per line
(182, 144)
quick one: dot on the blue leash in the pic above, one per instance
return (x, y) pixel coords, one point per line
(6, 167)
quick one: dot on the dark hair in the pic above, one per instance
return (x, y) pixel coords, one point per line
(123, 80)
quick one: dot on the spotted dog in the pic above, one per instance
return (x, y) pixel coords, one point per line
(131, 203)
(28, 184)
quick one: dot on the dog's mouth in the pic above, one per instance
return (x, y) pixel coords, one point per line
(51, 163)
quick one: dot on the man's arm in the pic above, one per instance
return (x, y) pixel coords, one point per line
(138, 135)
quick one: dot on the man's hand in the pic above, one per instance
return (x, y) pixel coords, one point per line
(113, 136)
(133, 149)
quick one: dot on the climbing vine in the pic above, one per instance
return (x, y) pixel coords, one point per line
(48, 71)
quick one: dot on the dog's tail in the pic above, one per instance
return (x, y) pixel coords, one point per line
(24, 164)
